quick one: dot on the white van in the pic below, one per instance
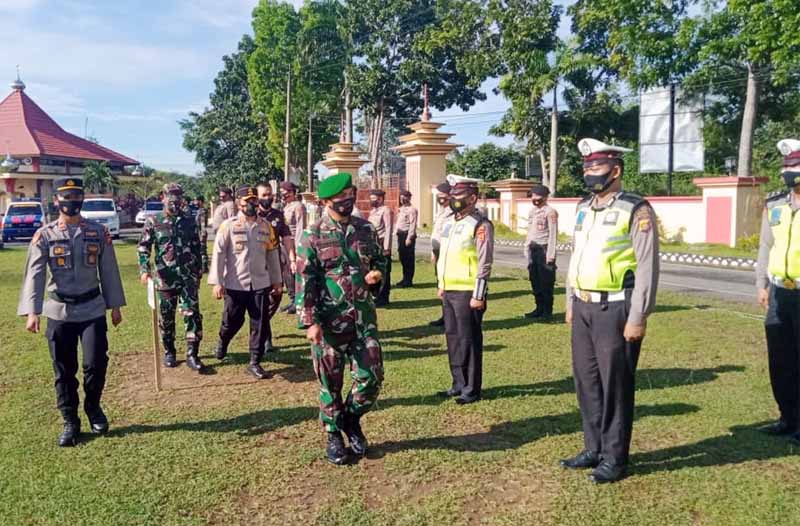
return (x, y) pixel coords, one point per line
(104, 211)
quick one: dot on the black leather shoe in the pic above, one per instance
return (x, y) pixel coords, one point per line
(450, 393)
(795, 437)
(607, 473)
(170, 360)
(292, 309)
(352, 428)
(534, 313)
(780, 427)
(381, 303)
(583, 460)
(221, 351)
(98, 421)
(464, 400)
(257, 371)
(69, 436)
(437, 323)
(336, 452)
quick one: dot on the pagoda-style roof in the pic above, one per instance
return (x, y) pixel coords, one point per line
(27, 131)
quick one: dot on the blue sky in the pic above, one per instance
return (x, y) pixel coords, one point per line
(135, 67)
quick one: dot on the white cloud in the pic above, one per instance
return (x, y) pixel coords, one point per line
(55, 100)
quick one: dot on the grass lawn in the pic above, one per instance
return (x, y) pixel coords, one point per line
(709, 249)
(224, 449)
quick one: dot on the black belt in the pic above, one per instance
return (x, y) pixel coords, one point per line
(74, 299)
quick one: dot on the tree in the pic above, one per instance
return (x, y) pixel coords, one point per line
(98, 177)
(397, 46)
(487, 161)
(307, 46)
(225, 137)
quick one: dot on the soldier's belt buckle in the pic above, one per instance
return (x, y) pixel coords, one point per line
(585, 296)
(789, 284)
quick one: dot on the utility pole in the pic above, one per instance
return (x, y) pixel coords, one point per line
(309, 159)
(671, 153)
(286, 134)
(348, 113)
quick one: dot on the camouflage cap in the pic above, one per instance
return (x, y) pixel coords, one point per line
(334, 185)
(172, 189)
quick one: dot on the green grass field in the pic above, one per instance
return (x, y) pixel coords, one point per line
(223, 449)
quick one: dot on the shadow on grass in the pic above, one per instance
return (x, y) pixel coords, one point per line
(743, 444)
(435, 301)
(255, 423)
(517, 433)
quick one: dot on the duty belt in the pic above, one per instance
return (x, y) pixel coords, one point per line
(590, 296)
(785, 283)
(74, 299)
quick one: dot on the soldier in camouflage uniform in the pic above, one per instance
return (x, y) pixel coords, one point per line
(338, 260)
(178, 261)
(202, 229)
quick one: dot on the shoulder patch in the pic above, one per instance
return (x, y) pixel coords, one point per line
(480, 233)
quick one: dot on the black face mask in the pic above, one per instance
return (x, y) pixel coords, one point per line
(70, 207)
(374, 204)
(444, 201)
(598, 183)
(791, 178)
(250, 209)
(537, 202)
(405, 201)
(458, 204)
(344, 207)
(266, 204)
(174, 207)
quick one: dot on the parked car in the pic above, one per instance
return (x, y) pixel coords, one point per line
(104, 211)
(151, 208)
(22, 219)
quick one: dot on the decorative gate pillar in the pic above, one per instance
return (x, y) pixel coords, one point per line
(343, 158)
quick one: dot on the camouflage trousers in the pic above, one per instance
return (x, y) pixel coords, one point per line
(186, 300)
(204, 250)
(289, 279)
(363, 354)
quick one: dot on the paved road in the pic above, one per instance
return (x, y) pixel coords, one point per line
(726, 284)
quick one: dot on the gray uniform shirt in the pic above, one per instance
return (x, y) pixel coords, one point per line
(224, 211)
(245, 255)
(644, 236)
(407, 220)
(542, 230)
(438, 224)
(765, 245)
(381, 218)
(80, 258)
(295, 215)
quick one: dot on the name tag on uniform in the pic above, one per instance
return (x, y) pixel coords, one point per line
(58, 251)
(459, 229)
(90, 233)
(611, 218)
(446, 230)
(579, 221)
(775, 217)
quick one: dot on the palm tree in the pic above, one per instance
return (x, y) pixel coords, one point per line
(98, 177)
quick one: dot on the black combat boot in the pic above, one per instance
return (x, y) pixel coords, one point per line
(193, 361)
(169, 355)
(268, 347)
(72, 429)
(352, 428)
(336, 452)
(535, 313)
(437, 323)
(221, 351)
(255, 368)
(97, 419)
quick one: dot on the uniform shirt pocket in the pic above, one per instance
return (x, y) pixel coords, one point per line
(91, 253)
(60, 255)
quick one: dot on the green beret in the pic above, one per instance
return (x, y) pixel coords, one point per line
(335, 184)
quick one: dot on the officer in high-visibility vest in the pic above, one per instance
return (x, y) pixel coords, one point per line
(778, 284)
(611, 289)
(463, 269)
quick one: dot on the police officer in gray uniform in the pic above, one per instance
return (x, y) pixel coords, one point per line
(84, 282)
(540, 251)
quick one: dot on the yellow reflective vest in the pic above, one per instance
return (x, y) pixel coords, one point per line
(457, 266)
(784, 256)
(602, 253)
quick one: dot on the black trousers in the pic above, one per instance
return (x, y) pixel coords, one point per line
(542, 277)
(464, 335)
(386, 284)
(604, 368)
(253, 303)
(436, 250)
(407, 257)
(782, 326)
(62, 338)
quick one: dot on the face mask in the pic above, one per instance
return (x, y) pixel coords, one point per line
(344, 207)
(537, 202)
(791, 178)
(374, 204)
(405, 201)
(443, 201)
(250, 209)
(266, 204)
(174, 207)
(457, 204)
(598, 183)
(69, 207)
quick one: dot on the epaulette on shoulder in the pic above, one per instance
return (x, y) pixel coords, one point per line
(631, 198)
(776, 196)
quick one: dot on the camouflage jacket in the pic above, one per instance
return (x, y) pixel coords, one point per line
(178, 254)
(332, 262)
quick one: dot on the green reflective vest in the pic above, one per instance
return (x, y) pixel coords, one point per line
(784, 256)
(457, 266)
(602, 252)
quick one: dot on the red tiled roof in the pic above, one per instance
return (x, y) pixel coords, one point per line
(31, 132)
